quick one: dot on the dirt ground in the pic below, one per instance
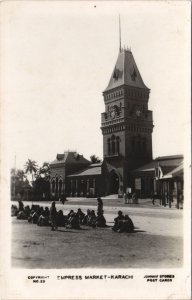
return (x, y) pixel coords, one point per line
(157, 241)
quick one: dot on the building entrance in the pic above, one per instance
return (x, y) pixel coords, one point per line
(113, 183)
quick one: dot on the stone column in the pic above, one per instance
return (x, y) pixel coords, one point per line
(88, 194)
(71, 192)
(53, 190)
(177, 194)
(169, 193)
(76, 194)
(63, 188)
(93, 186)
(82, 188)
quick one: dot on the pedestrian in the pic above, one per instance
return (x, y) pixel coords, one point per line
(154, 197)
(129, 198)
(100, 220)
(125, 198)
(134, 198)
(21, 205)
(99, 205)
(53, 216)
(63, 199)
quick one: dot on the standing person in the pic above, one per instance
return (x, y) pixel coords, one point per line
(125, 198)
(154, 197)
(129, 197)
(53, 216)
(21, 205)
(99, 206)
(134, 198)
(63, 199)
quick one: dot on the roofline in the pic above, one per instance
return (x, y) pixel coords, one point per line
(78, 175)
(167, 157)
(122, 85)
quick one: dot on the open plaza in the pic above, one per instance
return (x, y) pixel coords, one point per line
(157, 241)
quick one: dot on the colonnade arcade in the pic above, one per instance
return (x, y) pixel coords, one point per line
(84, 187)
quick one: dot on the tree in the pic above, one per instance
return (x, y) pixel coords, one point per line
(31, 167)
(19, 183)
(44, 171)
(95, 159)
(41, 184)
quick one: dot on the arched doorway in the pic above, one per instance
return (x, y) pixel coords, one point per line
(56, 188)
(60, 187)
(53, 187)
(113, 182)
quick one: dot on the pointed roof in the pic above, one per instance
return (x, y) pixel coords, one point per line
(92, 170)
(70, 157)
(125, 72)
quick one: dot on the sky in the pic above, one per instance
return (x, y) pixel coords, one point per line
(57, 59)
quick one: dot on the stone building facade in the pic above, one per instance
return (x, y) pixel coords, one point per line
(126, 124)
(64, 165)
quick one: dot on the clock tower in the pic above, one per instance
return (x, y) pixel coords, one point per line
(126, 124)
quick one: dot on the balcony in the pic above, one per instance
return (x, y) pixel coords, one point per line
(106, 121)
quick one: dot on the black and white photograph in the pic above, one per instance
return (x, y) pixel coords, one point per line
(95, 123)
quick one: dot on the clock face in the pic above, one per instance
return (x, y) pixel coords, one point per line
(113, 113)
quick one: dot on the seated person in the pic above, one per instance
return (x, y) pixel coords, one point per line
(86, 217)
(14, 210)
(47, 212)
(126, 225)
(35, 217)
(118, 220)
(60, 219)
(92, 219)
(73, 222)
(43, 219)
(69, 214)
(21, 215)
(100, 220)
(80, 215)
(30, 216)
(27, 211)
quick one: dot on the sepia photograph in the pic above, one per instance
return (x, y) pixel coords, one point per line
(95, 121)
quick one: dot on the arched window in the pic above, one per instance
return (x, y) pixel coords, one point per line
(109, 146)
(113, 144)
(56, 187)
(117, 144)
(60, 187)
(53, 186)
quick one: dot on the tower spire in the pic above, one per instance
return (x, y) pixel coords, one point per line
(119, 34)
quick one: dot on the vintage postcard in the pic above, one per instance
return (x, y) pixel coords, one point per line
(95, 150)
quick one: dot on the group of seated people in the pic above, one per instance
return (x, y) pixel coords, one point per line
(42, 217)
(73, 220)
(36, 214)
(123, 223)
